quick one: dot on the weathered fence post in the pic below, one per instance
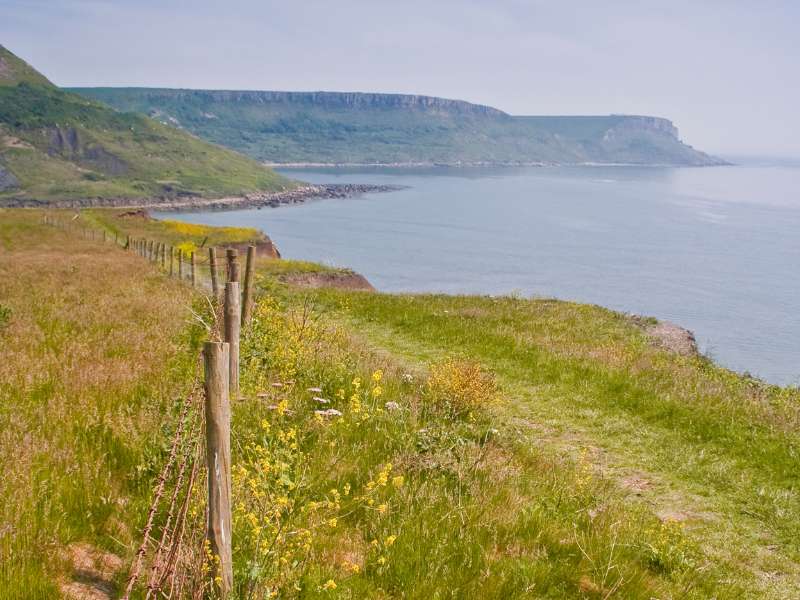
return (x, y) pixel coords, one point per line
(218, 461)
(232, 255)
(232, 325)
(180, 264)
(164, 256)
(194, 270)
(171, 261)
(212, 262)
(249, 277)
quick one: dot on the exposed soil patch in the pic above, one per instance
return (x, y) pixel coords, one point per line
(667, 335)
(136, 214)
(342, 281)
(10, 141)
(92, 573)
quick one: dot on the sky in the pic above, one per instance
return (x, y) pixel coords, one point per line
(725, 72)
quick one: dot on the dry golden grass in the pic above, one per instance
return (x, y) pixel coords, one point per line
(83, 394)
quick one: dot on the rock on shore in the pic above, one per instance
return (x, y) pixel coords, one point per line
(196, 203)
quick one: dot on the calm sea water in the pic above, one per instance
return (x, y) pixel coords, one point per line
(716, 250)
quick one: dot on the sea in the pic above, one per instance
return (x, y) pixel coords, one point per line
(715, 250)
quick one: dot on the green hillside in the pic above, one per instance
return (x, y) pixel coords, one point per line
(332, 127)
(55, 145)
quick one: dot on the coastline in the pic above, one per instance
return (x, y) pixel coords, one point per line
(476, 165)
(196, 203)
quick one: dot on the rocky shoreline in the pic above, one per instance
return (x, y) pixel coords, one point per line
(189, 203)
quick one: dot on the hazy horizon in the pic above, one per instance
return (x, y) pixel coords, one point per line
(721, 71)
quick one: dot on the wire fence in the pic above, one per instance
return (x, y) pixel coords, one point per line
(185, 549)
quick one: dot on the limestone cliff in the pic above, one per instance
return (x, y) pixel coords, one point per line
(353, 127)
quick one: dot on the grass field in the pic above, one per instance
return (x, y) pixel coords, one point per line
(96, 345)
(390, 446)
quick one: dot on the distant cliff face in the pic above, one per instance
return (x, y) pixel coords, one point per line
(350, 127)
(329, 100)
(643, 123)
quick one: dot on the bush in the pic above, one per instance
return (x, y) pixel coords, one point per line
(461, 387)
(5, 315)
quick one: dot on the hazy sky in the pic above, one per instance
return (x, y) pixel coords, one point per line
(727, 73)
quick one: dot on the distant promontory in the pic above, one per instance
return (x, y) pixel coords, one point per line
(345, 128)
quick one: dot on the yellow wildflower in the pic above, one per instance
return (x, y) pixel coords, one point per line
(390, 540)
(329, 585)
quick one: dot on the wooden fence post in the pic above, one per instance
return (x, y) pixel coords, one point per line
(249, 277)
(171, 261)
(218, 462)
(232, 325)
(232, 255)
(194, 270)
(164, 256)
(180, 264)
(212, 261)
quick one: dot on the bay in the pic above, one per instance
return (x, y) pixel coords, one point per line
(715, 250)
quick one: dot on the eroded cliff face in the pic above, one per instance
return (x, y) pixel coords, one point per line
(660, 125)
(71, 144)
(330, 100)
(7, 179)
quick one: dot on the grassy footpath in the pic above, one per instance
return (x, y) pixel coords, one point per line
(387, 446)
(95, 349)
(689, 440)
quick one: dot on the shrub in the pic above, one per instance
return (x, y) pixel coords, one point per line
(461, 387)
(5, 315)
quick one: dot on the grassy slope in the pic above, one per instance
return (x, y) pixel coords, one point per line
(697, 443)
(607, 469)
(107, 154)
(313, 132)
(95, 351)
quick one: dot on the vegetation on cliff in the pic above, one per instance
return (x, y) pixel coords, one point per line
(57, 145)
(330, 127)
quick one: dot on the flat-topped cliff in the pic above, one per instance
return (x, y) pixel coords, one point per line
(357, 128)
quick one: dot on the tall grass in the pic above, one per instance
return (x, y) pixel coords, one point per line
(352, 482)
(92, 360)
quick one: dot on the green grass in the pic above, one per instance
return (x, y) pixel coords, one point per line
(13, 70)
(174, 233)
(714, 449)
(487, 509)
